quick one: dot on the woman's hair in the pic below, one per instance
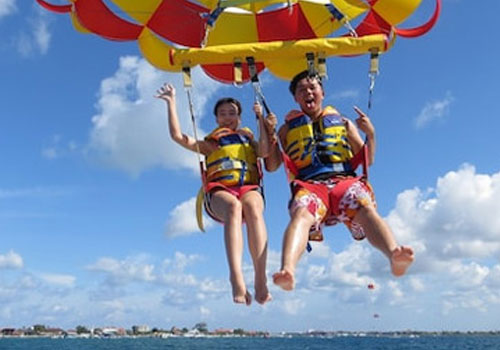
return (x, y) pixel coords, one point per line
(227, 100)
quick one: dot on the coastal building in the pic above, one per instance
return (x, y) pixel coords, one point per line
(143, 329)
(7, 331)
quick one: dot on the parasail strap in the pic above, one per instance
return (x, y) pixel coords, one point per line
(310, 64)
(372, 74)
(339, 16)
(322, 65)
(254, 77)
(320, 68)
(186, 75)
(211, 19)
(237, 71)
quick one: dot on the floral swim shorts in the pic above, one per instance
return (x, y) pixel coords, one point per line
(320, 197)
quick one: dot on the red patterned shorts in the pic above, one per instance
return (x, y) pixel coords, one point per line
(319, 197)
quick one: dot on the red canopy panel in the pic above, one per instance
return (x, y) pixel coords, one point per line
(179, 21)
(424, 28)
(225, 72)
(55, 8)
(95, 16)
(373, 24)
(284, 25)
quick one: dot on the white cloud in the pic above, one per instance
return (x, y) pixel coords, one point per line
(456, 220)
(130, 131)
(416, 284)
(436, 110)
(493, 278)
(181, 261)
(468, 276)
(34, 192)
(454, 229)
(457, 272)
(396, 292)
(348, 268)
(178, 298)
(205, 311)
(293, 306)
(455, 234)
(41, 35)
(186, 290)
(11, 260)
(172, 272)
(37, 40)
(350, 94)
(213, 286)
(182, 220)
(50, 153)
(7, 7)
(57, 148)
(59, 280)
(122, 272)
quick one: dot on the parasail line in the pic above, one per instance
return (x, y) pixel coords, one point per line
(188, 84)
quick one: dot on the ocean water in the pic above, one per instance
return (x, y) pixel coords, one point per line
(295, 343)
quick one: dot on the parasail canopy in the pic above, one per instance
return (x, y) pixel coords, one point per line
(220, 34)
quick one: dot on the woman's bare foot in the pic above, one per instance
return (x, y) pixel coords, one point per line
(401, 259)
(243, 299)
(262, 294)
(240, 292)
(284, 279)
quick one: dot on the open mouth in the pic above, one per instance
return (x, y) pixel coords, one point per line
(310, 102)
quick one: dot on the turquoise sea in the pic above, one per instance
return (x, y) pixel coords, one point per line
(273, 343)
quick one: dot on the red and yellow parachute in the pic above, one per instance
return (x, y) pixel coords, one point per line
(220, 34)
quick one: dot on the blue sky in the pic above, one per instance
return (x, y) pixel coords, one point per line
(97, 222)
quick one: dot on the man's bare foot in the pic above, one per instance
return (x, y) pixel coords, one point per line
(401, 259)
(262, 294)
(284, 279)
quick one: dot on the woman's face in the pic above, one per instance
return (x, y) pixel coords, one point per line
(227, 116)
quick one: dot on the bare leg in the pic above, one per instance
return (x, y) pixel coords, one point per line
(253, 207)
(294, 244)
(380, 236)
(228, 208)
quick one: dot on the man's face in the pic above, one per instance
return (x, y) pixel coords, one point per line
(309, 95)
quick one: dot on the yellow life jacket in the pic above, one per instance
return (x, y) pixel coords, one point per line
(234, 163)
(319, 147)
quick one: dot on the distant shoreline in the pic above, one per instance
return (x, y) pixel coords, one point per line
(313, 334)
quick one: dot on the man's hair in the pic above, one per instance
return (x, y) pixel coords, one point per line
(302, 75)
(227, 100)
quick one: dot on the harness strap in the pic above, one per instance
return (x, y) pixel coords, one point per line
(360, 158)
